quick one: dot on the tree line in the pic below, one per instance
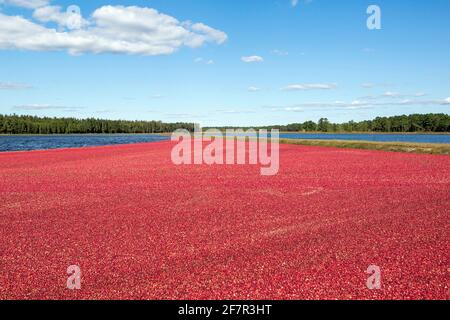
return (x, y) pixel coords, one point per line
(15, 124)
(401, 124)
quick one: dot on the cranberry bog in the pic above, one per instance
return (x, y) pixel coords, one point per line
(140, 227)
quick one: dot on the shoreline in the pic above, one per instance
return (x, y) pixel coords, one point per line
(81, 134)
(281, 132)
(402, 147)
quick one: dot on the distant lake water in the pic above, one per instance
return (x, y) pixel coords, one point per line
(379, 137)
(22, 143)
(376, 137)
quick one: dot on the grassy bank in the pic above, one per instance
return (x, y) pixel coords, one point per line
(424, 148)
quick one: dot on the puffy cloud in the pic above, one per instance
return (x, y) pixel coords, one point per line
(113, 29)
(250, 59)
(212, 34)
(310, 86)
(70, 19)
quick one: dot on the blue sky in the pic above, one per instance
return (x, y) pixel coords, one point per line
(222, 62)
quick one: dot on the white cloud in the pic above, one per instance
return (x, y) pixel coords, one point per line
(294, 3)
(212, 34)
(201, 60)
(250, 59)
(112, 29)
(280, 52)
(370, 85)
(13, 86)
(357, 105)
(393, 95)
(310, 86)
(253, 89)
(67, 19)
(30, 4)
(39, 107)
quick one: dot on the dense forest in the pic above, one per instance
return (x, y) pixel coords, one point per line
(14, 124)
(402, 124)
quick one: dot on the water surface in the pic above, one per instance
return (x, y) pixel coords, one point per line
(379, 137)
(22, 142)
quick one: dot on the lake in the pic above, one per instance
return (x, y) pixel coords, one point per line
(22, 143)
(419, 138)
